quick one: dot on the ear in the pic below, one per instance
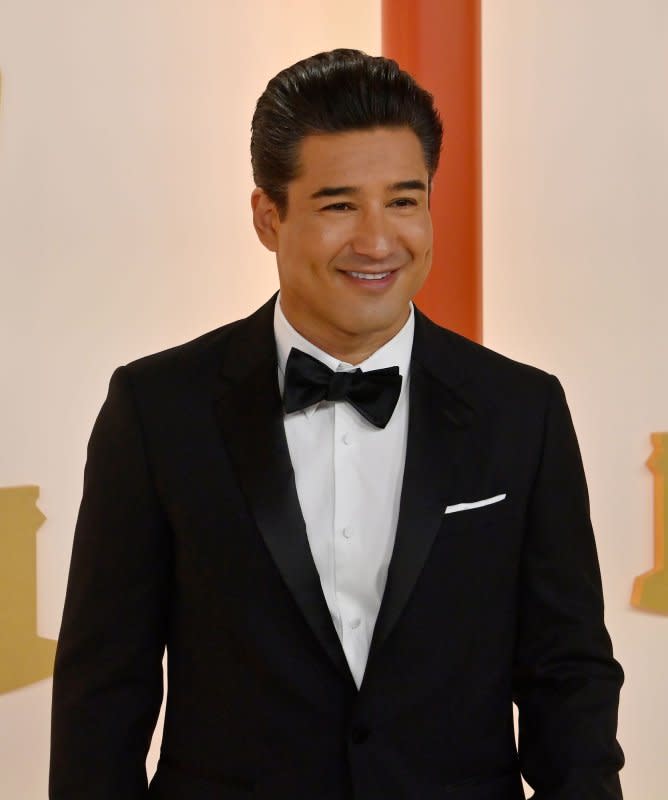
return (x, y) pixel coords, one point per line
(265, 219)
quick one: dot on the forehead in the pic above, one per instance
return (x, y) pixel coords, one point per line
(358, 158)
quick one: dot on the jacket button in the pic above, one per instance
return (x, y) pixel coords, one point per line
(359, 734)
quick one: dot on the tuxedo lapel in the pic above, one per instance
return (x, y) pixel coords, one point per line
(251, 417)
(439, 433)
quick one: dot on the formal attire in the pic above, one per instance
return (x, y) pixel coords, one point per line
(348, 475)
(198, 533)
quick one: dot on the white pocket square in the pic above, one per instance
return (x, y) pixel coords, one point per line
(477, 504)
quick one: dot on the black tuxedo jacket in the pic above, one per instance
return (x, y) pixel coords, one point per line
(190, 536)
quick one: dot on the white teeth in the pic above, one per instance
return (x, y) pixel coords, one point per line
(368, 277)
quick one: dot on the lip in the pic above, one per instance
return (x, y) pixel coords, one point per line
(371, 285)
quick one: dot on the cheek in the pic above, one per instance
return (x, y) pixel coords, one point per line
(328, 241)
(311, 245)
(424, 235)
(417, 235)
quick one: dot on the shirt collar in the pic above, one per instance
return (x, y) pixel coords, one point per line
(395, 353)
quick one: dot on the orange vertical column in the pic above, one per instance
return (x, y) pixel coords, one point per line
(438, 41)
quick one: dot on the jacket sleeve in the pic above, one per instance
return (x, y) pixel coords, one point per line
(566, 681)
(107, 686)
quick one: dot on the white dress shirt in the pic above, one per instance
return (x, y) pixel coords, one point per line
(349, 476)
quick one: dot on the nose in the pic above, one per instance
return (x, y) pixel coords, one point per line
(374, 235)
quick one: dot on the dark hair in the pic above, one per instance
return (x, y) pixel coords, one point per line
(342, 90)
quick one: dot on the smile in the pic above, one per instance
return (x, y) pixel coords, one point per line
(370, 276)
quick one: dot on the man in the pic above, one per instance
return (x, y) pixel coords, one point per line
(358, 535)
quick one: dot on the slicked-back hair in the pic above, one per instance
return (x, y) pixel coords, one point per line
(342, 90)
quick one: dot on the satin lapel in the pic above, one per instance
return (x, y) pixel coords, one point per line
(251, 417)
(439, 429)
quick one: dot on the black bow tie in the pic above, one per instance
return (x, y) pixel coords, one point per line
(308, 381)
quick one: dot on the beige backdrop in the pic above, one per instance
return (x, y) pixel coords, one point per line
(125, 228)
(575, 166)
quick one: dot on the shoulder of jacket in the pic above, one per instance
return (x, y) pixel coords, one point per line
(478, 363)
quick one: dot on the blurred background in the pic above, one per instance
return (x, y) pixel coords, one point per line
(125, 228)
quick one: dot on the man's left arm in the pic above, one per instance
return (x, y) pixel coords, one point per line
(566, 681)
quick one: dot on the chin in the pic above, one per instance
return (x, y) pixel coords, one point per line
(369, 321)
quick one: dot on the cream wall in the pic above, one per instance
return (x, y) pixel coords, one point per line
(575, 154)
(124, 229)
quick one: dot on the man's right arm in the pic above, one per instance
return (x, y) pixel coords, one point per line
(566, 681)
(108, 674)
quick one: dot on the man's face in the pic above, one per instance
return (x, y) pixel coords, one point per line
(355, 244)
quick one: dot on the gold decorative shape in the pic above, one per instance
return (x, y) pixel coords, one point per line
(25, 657)
(650, 590)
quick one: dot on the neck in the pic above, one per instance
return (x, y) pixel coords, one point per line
(353, 348)
(351, 352)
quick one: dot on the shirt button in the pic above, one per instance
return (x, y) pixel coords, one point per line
(346, 438)
(346, 533)
(355, 623)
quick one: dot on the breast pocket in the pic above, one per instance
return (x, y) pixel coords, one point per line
(461, 519)
(483, 544)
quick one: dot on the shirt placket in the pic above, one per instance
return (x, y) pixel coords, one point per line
(348, 541)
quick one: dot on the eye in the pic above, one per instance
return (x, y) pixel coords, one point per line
(404, 202)
(338, 207)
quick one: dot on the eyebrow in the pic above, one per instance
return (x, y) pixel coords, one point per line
(404, 186)
(400, 186)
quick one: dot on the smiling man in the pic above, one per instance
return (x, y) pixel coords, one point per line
(353, 245)
(359, 536)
